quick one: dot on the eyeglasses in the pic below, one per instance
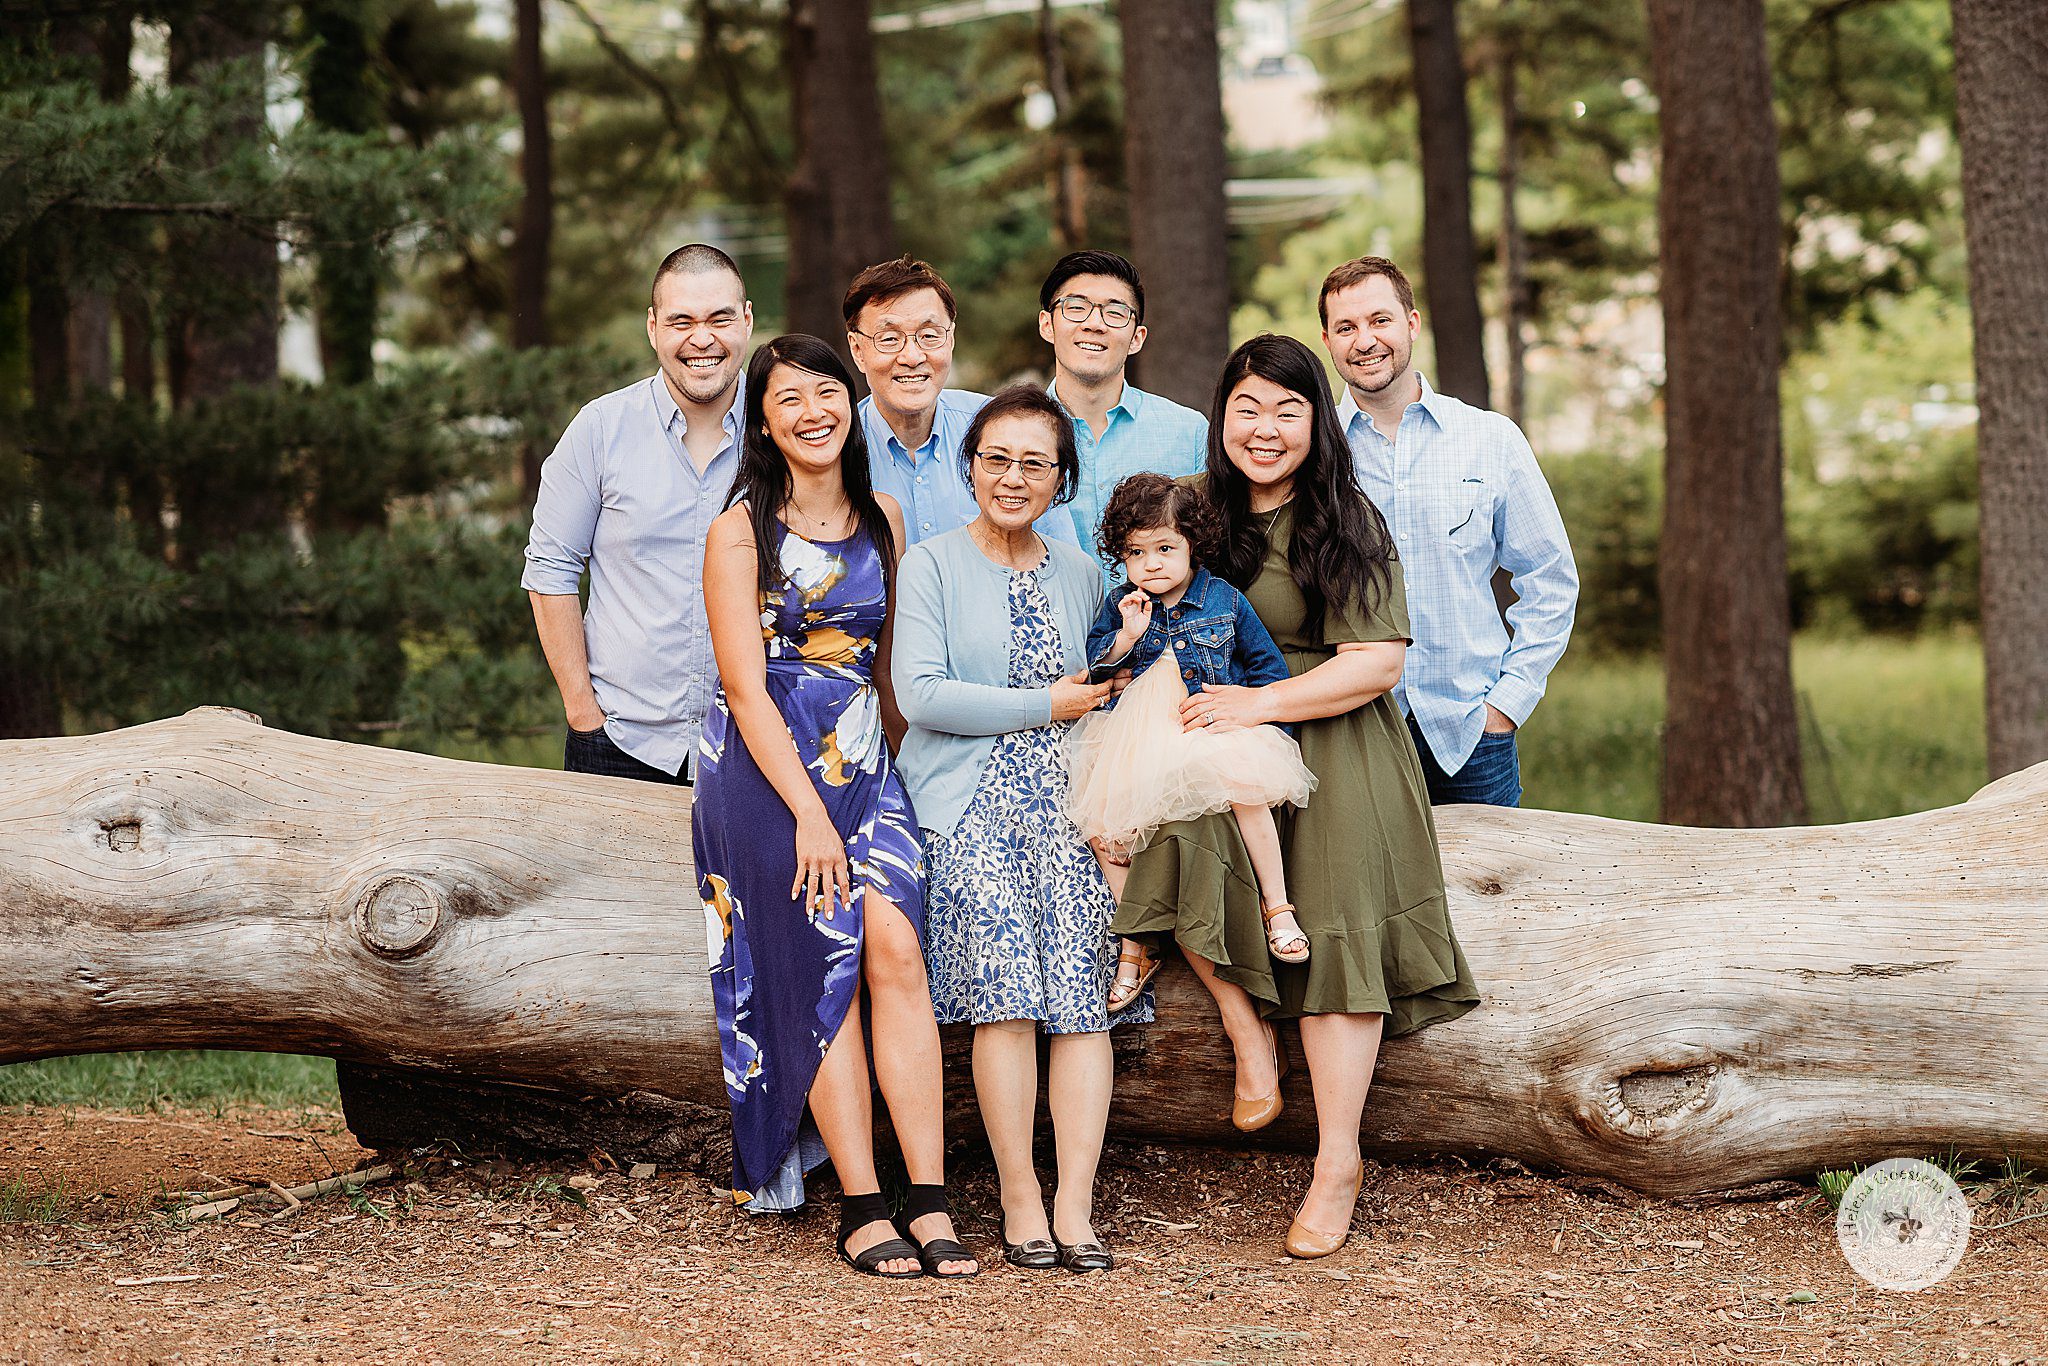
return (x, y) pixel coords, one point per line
(1036, 471)
(1076, 309)
(889, 343)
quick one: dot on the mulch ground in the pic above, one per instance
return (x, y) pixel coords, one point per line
(488, 1261)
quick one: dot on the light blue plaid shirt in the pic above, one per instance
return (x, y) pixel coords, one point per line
(928, 481)
(1463, 495)
(621, 495)
(1145, 432)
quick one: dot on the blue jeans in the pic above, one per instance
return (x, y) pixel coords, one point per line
(1491, 777)
(596, 752)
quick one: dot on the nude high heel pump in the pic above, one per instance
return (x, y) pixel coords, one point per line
(1309, 1243)
(1250, 1116)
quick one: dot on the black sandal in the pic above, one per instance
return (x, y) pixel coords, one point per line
(919, 1201)
(856, 1212)
(1084, 1257)
(1033, 1254)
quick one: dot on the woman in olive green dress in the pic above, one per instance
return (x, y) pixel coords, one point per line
(1316, 561)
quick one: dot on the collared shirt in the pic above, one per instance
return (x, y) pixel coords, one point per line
(928, 482)
(1144, 432)
(621, 495)
(1463, 496)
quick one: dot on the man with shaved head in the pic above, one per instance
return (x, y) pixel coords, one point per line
(628, 494)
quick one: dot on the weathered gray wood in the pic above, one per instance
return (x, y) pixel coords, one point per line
(1680, 1010)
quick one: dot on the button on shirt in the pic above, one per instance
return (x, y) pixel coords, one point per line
(929, 482)
(621, 495)
(1463, 495)
(1144, 432)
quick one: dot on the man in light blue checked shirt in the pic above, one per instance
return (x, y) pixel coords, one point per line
(1092, 309)
(1463, 496)
(628, 493)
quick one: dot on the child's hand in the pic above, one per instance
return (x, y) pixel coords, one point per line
(1136, 608)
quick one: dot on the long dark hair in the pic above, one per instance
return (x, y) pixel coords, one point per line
(764, 482)
(1340, 550)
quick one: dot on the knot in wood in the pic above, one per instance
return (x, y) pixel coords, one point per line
(399, 916)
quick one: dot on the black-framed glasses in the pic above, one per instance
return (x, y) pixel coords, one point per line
(1076, 309)
(889, 343)
(997, 464)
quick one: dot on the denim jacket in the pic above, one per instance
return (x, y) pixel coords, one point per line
(1212, 630)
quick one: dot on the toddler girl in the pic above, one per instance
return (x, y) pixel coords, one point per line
(1132, 767)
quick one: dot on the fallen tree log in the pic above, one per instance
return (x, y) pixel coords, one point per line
(1677, 1010)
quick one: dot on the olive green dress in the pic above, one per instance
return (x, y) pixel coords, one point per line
(1362, 866)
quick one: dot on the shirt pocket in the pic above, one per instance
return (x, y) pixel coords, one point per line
(1213, 642)
(1461, 511)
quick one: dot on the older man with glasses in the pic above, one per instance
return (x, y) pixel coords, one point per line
(1092, 309)
(899, 325)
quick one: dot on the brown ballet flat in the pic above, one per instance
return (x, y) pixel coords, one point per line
(1308, 1243)
(1250, 1116)
(1299, 955)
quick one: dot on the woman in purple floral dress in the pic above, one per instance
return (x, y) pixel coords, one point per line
(806, 849)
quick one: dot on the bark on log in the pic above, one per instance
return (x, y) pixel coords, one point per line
(1679, 1010)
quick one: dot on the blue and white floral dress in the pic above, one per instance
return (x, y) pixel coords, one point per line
(1016, 911)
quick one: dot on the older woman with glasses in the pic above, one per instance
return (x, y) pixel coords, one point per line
(990, 669)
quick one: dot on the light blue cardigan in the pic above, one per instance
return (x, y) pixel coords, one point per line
(950, 661)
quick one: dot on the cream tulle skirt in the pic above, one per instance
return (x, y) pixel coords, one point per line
(1131, 770)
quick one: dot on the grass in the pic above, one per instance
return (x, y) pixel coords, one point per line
(21, 1203)
(1888, 726)
(183, 1079)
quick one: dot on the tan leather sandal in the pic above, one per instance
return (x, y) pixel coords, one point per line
(1125, 991)
(1295, 955)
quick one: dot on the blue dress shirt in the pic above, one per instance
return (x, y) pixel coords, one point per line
(928, 481)
(1144, 432)
(1463, 496)
(621, 495)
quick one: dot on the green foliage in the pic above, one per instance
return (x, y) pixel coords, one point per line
(304, 627)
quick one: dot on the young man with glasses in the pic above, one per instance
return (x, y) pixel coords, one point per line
(899, 326)
(1092, 309)
(628, 495)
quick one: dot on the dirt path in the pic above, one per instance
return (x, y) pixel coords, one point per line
(498, 1263)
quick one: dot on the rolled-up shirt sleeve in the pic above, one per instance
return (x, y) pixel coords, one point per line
(565, 513)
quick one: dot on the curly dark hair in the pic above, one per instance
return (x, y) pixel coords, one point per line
(1147, 500)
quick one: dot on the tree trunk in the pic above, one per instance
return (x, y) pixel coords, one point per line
(1069, 185)
(339, 95)
(1731, 736)
(2001, 88)
(1514, 245)
(1450, 260)
(1175, 160)
(533, 237)
(227, 335)
(837, 202)
(1679, 1010)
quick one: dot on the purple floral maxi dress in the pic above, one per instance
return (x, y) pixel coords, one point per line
(782, 974)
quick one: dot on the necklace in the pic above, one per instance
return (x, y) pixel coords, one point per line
(810, 518)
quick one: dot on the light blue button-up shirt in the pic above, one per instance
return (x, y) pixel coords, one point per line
(929, 482)
(1463, 496)
(1144, 432)
(621, 495)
